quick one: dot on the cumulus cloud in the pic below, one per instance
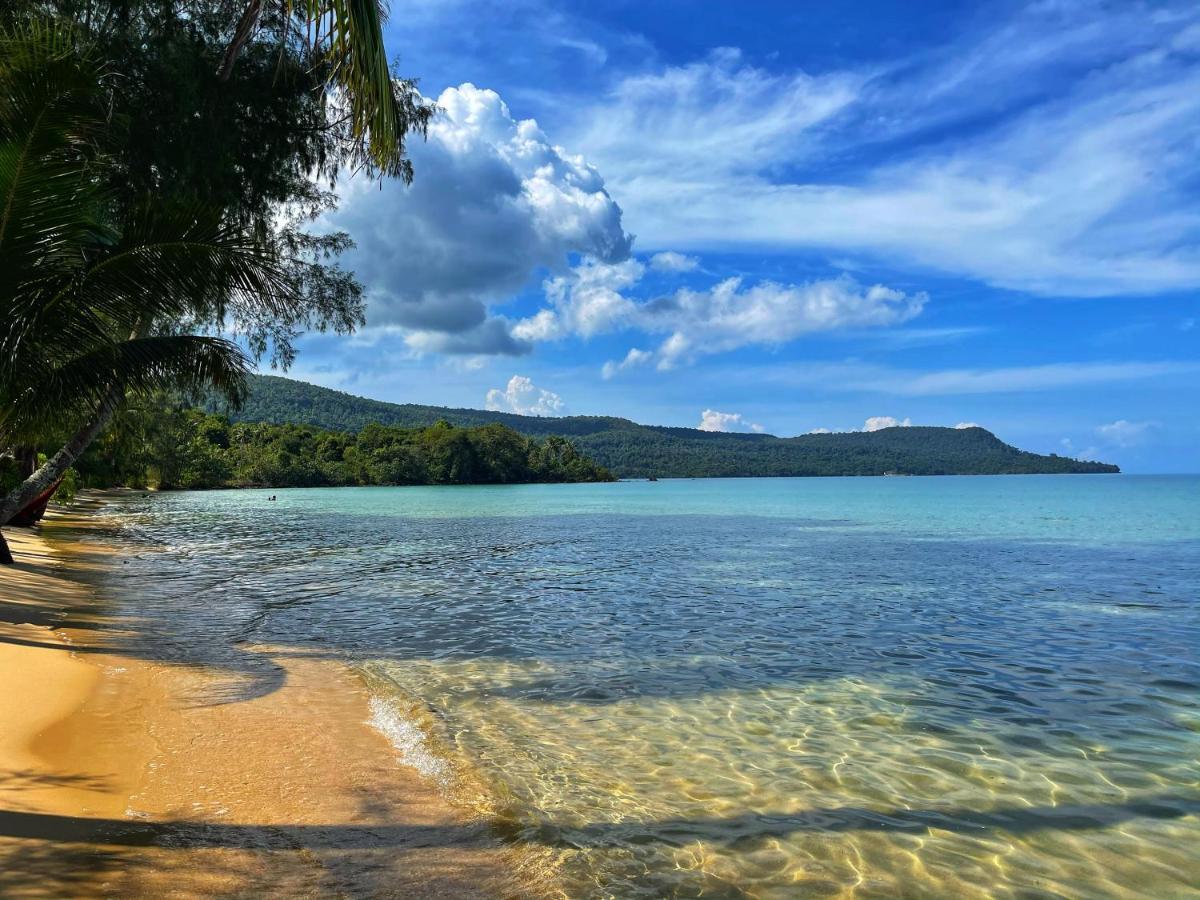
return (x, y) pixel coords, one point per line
(490, 337)
(493, 201)
(712, 420)
(586, 302)
(593, 299)
(670, 261)
(873, 423)
(1123, 433)
(523, 397)
(968, 425)
(729, 316)
(876, 423)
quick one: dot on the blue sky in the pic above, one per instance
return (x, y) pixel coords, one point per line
(795, 217)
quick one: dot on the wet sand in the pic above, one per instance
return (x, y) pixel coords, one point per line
(125, 775)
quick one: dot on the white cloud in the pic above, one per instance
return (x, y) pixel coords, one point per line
(586, 302)
(968, 425)
(523, 397)
(877, 423)
(729, 316)
(633, 358)
(1014, 379)
(1123, 433)
(1084, 192)
(493, 201)
(712, 420)
(670, 261)
(592, 300)
(821, 431)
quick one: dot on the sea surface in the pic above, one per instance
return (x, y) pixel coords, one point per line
(859, 687)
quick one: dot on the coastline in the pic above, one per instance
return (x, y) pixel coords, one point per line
(123, 775)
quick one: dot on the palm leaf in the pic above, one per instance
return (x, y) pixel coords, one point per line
(382, 109)
(187, 363)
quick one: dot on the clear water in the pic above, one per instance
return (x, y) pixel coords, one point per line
(884, 687)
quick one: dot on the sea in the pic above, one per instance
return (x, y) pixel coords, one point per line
(849, 687)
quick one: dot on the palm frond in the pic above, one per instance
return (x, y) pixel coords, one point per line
(75, 390)
(51, 119)
(171, 263)
(382, 109)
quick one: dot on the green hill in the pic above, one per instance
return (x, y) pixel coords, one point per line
(639, 451)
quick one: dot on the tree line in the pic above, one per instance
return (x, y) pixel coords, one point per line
(174, 447)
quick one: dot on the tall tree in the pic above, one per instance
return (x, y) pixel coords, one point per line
(264, 132)
(79, 295)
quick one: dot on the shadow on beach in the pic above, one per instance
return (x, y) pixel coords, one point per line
(85, 851)
(183, 835)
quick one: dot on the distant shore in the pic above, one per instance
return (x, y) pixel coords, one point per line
(123, 775)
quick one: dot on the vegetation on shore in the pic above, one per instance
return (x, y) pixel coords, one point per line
(631, 450)
(180, 448)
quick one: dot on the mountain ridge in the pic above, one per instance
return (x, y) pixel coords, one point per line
(634, 450)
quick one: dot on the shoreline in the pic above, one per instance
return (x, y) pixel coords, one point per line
(126, 774)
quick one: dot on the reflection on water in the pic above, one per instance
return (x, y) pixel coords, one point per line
(747, 688)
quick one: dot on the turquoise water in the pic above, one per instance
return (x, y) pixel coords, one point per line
(763, 687)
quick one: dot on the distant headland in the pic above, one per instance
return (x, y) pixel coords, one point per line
(631, 450)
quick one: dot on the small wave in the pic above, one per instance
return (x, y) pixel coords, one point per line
(409, 740)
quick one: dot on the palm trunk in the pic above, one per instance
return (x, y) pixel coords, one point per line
(26, 460)
(56, 467)
(245, 27)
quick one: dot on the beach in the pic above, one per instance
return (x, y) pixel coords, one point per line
(129, 775)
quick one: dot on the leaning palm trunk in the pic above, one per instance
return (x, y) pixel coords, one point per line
(53, 470)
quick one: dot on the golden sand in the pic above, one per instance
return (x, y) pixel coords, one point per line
(121, 776)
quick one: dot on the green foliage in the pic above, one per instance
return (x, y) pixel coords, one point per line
(80, 290)
(170, 446)
(67, 488)
(641, 451)
(201, 99)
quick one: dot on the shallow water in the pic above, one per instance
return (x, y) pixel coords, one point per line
(764, 687)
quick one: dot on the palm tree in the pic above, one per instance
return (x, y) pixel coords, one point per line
(90, 313)
(346, 39)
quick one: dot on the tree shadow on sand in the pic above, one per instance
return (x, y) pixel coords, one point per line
(730, 831)
(73, 855)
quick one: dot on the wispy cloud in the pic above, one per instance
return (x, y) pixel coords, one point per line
(1123, 433)
(866, 377)
(1014, 379)
(1080, 190)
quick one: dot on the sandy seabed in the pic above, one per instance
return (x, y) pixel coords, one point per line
(122, 776)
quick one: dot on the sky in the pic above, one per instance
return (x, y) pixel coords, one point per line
(794, 217)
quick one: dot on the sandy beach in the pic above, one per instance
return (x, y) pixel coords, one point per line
(125, 775)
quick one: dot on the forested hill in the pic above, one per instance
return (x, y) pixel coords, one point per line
(639, 451)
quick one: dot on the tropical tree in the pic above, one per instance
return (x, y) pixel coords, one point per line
(260, 108)
(84, 298)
